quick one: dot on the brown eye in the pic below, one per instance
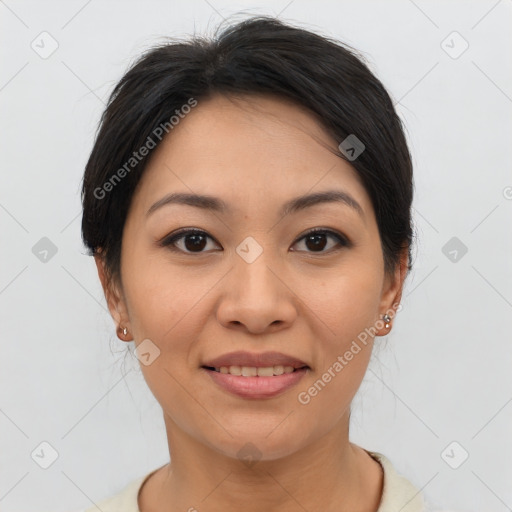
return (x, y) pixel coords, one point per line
(194, 241)
(191, 241)
(316, 240)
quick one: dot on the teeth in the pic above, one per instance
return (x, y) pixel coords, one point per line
(266, 372)
(249, 371)
(252, 371)
(279, 370)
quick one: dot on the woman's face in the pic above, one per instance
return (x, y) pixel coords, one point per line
(253, 281)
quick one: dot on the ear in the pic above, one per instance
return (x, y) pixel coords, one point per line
(392, 293)
(114, 297)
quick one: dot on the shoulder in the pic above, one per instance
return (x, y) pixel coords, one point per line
(398, 493)
(125, 500)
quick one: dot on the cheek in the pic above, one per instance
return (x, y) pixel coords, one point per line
(346, 307)
(164, 305)
(346, 304)
(161, 296)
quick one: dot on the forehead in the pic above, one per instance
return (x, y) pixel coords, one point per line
(255, 149)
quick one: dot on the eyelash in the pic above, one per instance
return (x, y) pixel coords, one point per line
(170, 240)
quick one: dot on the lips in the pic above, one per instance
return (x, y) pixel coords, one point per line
(255, 376)
(248, 359)
(256, 388)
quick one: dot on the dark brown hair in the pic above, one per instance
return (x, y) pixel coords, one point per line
(258, 55)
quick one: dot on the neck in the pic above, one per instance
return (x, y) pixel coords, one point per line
(330, 474)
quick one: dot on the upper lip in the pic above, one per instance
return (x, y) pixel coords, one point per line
(263, 360)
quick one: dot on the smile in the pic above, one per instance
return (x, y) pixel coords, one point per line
(253, 371)
(256, 382)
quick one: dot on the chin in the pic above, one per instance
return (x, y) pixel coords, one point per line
(257, 444)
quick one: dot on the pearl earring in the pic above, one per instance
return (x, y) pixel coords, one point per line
(386, 319)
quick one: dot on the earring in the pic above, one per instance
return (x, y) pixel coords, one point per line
(122, 331)
(386, 319)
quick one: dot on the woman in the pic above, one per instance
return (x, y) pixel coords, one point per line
(248, 205)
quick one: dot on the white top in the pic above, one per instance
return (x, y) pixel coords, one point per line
(397, 493)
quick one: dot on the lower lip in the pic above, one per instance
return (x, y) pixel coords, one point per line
(256, 387)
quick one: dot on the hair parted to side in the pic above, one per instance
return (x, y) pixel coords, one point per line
(258, 55)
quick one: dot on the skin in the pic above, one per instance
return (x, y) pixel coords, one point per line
(255, 153)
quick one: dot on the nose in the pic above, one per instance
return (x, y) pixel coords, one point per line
(256, 297)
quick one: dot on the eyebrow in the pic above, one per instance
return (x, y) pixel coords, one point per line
(215, 204)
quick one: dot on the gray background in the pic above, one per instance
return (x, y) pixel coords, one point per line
(441, 376)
